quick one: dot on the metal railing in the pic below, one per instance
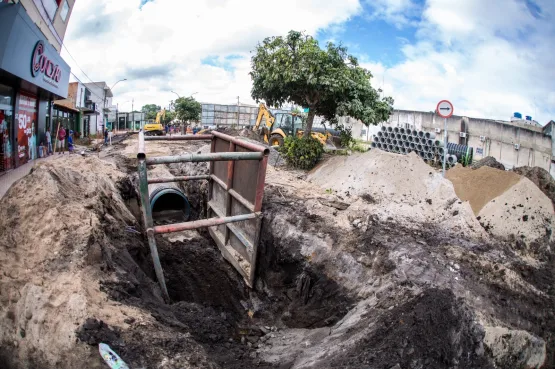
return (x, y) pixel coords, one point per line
(236, 190)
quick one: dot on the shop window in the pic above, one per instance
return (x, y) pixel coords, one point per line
(6, 127)
(26, 128)
(65, 10)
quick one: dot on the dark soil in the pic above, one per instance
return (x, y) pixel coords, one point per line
(488, 161)
(434, 330)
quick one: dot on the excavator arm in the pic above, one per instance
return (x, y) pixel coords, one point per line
(264, 114)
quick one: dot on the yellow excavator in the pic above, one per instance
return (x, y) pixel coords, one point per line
(277, 127)
(156, 128)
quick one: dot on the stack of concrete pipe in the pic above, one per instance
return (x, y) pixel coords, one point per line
(404, 141)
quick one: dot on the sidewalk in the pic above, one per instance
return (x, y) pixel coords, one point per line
(9, 178)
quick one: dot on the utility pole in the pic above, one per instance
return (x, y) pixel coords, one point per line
(117, 118)
(238, 111)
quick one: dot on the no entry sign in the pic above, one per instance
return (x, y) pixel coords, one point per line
(444, 108)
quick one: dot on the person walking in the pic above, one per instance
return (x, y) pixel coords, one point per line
(105, 136)
(70, 142)
(61, 140)
(110, 135)
(48, 142)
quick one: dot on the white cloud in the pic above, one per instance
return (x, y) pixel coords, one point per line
(397, 12)
(489, 58)
(160, 47)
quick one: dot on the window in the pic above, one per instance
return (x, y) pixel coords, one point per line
(51, 6)
(65, 10)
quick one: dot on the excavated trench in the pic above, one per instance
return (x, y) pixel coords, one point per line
(210, 301)
(217, 321)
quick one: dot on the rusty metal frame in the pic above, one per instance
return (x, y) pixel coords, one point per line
(240, 211)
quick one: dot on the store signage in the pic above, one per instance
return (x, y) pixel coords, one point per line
(41, 64)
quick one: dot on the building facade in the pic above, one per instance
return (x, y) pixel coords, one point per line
(74, 112)
(50, 16)
(100, 101)
(32, 75)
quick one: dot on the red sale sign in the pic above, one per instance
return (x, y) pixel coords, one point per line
(26, 129)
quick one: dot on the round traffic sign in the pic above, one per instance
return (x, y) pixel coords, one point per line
(444, 109)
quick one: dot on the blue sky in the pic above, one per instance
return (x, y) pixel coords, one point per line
(491, 58)
(372, 37)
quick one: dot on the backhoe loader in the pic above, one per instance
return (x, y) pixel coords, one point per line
(277, 127)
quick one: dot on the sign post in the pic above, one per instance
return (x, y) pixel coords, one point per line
(445, 110)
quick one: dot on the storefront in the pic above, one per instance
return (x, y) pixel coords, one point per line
(32, 75)
(67, 117)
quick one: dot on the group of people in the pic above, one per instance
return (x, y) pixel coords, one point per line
(63, 134)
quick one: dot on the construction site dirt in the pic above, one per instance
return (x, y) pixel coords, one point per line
(350, 274)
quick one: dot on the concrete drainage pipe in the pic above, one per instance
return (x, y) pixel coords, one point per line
(167, 200)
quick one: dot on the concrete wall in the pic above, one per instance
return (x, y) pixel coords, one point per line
(500, 137)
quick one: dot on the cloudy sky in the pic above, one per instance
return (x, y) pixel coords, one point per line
(490, 58)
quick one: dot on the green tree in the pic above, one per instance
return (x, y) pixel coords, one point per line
(329, 82)
(150, 110)
(187, 108)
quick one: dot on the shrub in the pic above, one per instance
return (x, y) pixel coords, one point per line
(346, 135)
(302, 153)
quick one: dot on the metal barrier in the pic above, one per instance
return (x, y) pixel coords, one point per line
(235, 194)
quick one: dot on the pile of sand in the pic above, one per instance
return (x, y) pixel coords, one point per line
(482, 185)
(523, 210)
(506, 203)
(541, 178)
(402, 187)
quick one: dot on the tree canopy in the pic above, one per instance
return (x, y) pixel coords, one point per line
(329, 82)
(187, 109)
(151, 110)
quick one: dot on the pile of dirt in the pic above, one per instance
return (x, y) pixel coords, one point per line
(482, 185)
(541, 178)
(432, 330)
(402, 187)
(55, 222)
(523, 211)
(488, 161)
(409, 288)
(506, 204)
